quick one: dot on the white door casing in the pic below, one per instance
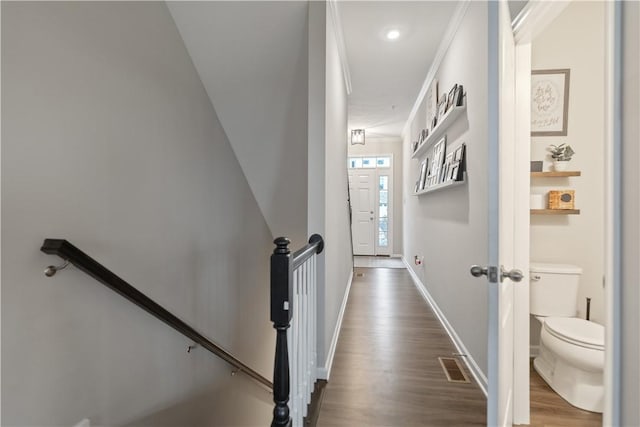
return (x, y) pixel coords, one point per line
(372, 178)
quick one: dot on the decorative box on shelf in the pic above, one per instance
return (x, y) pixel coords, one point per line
(562, 199)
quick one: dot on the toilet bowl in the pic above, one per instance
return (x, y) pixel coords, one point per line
(571, 358)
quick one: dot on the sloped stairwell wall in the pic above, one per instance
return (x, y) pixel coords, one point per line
(252, 59)
(110, 141)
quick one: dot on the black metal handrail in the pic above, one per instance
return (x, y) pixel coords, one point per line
(315, 246)
(283, 263)
(84, 262)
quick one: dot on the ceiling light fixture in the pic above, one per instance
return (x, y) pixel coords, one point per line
(357, 136)
(393, 34)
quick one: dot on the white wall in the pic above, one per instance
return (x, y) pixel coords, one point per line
(252, 59)
(576, 239)
(630, 335)
(393, 146)
(450, 227)
(110, 141)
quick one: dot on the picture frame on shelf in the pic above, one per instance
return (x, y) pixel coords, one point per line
(448, 163)
(437, 161)
(431, 102)
(442, 107)
(453, 173)
(423, 174)
(459, 153)
(451, 97)
(459, 95)
(549, 102)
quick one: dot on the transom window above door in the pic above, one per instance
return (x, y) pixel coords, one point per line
(362, 162)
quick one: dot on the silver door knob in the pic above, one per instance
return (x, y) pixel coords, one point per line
(515, 275)
(477, 271)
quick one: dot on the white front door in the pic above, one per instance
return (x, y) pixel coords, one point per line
(363, 204)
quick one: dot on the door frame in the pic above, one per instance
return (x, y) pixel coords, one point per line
(390, 225)
(530, 22)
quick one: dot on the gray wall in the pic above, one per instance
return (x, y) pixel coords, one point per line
(109, 140)
(557, 238)
(450, 227)
(327, 154)
(252, 59)
(630, 335)
(338, 246)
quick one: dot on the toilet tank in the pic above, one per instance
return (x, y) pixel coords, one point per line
(553, 289)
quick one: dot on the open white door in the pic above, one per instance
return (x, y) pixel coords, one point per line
(502, 213)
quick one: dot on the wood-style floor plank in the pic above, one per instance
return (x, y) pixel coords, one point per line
(386, 370)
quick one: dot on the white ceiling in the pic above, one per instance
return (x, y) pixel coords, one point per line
(386, 76)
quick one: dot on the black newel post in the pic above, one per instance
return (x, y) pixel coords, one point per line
(281, 287)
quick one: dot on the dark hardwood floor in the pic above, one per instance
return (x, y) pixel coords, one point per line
(386, 370)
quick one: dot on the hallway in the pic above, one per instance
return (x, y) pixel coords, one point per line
(386, 370)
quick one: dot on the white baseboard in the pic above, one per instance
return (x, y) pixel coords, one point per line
(323, 372)
(396, 256)
(473, 367)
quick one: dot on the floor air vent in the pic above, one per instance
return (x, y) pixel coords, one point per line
(453, 370)
(359, 274)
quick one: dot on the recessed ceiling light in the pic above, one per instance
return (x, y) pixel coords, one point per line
(393, 34)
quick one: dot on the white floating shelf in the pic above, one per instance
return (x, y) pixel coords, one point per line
(440, 128)
(442, 186)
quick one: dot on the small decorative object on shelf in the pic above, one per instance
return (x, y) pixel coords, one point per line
(562, 199)
(561, 155)
(536, 166)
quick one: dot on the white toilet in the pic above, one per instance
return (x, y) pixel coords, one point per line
(571, 358)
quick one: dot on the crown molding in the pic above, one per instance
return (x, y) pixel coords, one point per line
(342, 49)
(447, 38)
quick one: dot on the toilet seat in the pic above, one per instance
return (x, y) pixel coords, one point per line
(576, 331)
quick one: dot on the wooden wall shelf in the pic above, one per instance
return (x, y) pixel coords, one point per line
(440, 129)
(555, 211)
(555, 174)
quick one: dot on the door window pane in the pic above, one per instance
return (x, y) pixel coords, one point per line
(384, 182)
(383, 211)
(355, 162)
(368, 162)
(384, 196)
(383, 162)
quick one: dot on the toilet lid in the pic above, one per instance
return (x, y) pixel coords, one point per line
(576, 331)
